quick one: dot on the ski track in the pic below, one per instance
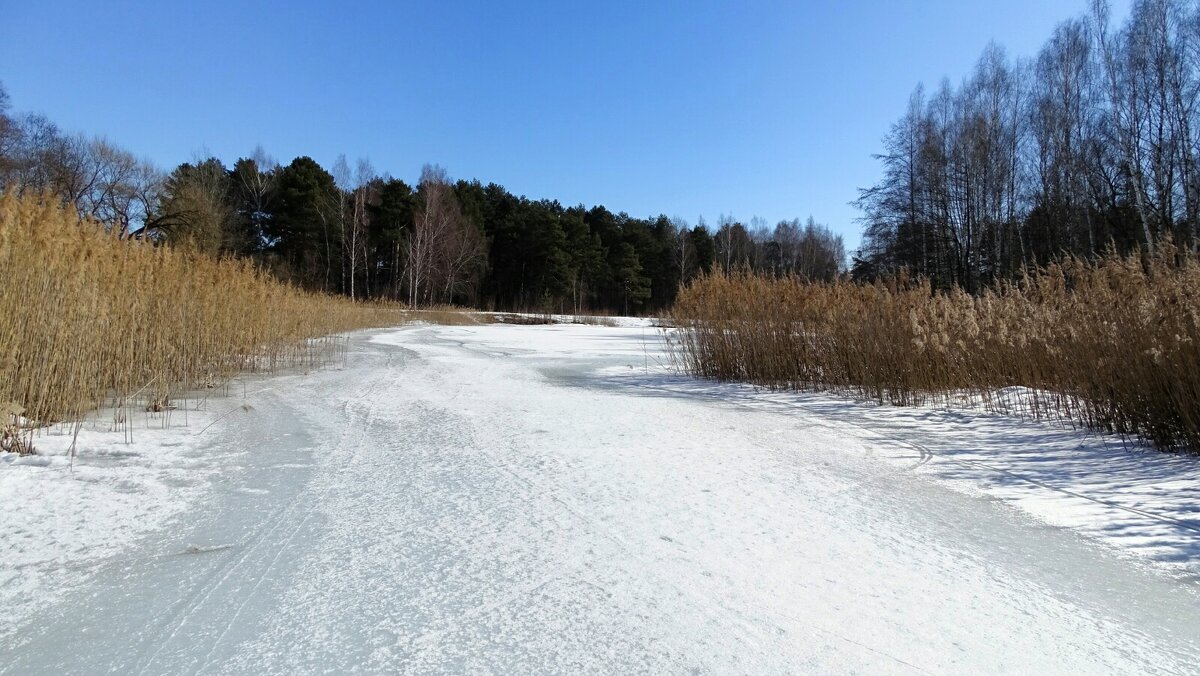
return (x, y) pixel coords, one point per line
(515, 499)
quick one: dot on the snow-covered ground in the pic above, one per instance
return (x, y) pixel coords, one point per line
(555, 498)
(64, 516)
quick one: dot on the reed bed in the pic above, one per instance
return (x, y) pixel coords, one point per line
(88, 320)
(449, 315)
(1113, 345)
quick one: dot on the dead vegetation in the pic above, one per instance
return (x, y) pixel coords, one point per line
(1112, 345)
(593, 320)
(448, 315)
(524, 319)
(90, 320)
(11, 439)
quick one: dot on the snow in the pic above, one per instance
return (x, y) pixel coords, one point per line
(1139, 501)
(62, 518)
(556, 498)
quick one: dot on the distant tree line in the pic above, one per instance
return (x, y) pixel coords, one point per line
(1093, 144)
(366, 235)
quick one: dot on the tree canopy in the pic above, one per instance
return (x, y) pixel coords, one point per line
(374, 236)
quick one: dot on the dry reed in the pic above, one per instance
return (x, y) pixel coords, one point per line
(449, 315)
(1112, 345)
(89, 320)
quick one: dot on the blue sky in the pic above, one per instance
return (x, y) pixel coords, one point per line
(682, 108)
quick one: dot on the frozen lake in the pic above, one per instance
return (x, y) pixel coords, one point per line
(553, 499)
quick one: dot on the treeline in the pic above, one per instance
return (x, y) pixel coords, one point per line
(1093, 144)
(369, 235)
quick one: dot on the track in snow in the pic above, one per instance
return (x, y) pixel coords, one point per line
(520, 500)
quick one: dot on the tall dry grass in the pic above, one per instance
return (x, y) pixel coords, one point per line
(1112, 345)
(89, 320)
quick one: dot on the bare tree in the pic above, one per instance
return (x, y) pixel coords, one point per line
(787, 239)
(133, 206)
(10, 138)
(733, 243)
(343, 185)
(427, 221)
(356, 240)
(684, 251)
(443, 250)
(1062, 129)
(112, 197)
(821, 254)
(760, 236)
(460, 256)
(1127, 115)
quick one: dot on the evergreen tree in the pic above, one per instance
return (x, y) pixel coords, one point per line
(303, 244)
(586, 254)
(197, 209)
(705, 248)
(633, 286)
(391, 220)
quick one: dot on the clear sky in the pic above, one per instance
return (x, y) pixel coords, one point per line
(684, 108)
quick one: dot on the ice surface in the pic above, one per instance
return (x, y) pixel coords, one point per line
(533, 499)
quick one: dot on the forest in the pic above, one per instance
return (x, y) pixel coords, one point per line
(1091, 146)
(355, 232)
